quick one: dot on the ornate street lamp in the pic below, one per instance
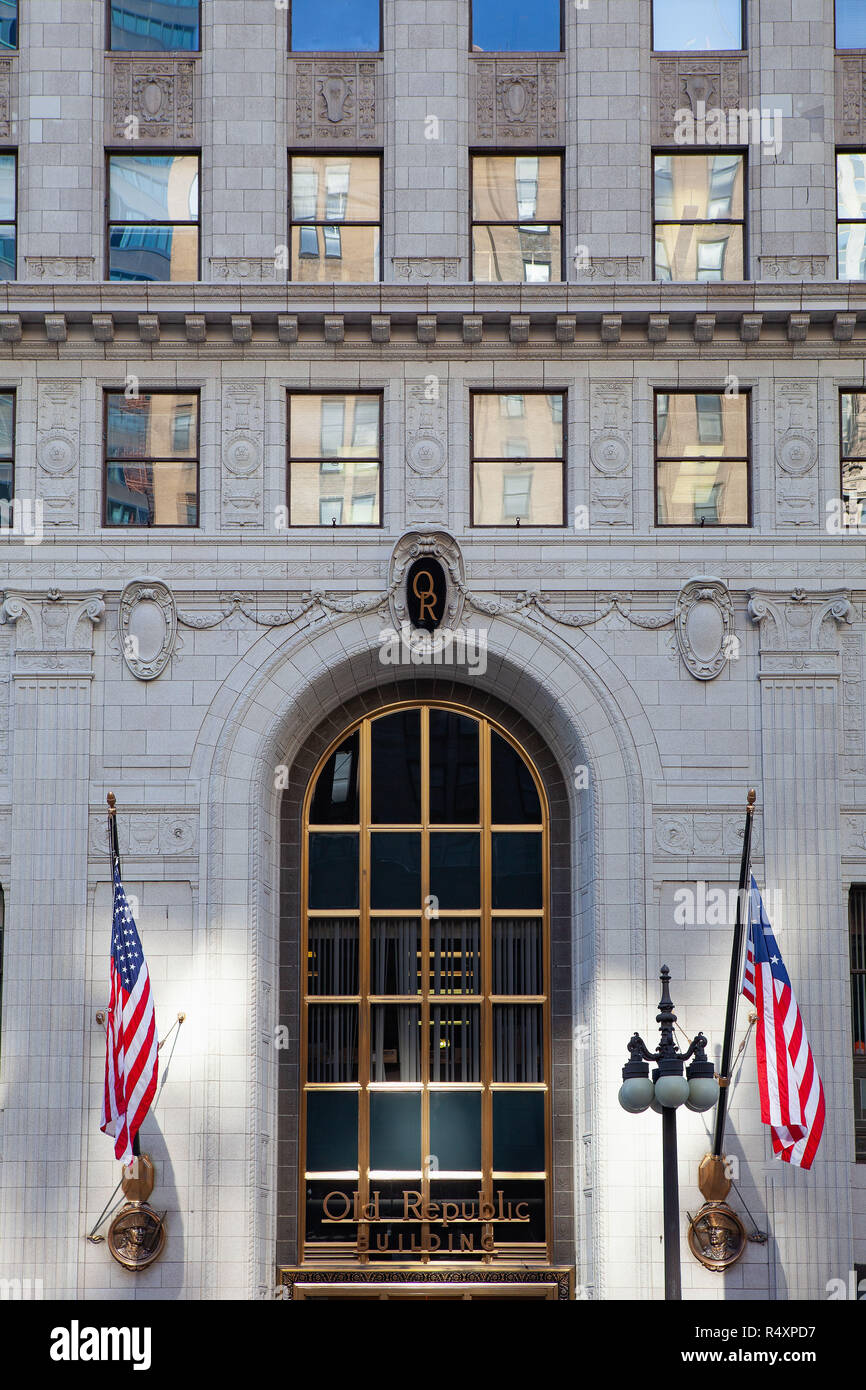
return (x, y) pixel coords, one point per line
(668, 1089)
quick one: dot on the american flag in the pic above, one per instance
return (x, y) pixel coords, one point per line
(131, 1056)
(792, 1097)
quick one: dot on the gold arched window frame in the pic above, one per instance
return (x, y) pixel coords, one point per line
(493, 1234)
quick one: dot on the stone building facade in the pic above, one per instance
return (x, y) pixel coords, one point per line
(652, 673)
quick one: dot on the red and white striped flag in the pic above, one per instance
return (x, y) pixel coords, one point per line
(131, 1044)
(792, 1097)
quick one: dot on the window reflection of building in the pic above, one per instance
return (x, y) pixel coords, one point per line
(517, 458)
(7, 446)
(698, 24)
(153, 230)
(853, 431)
(335, 218)
(702, 464)
(334, 465)
(699, 216)
(155, 26)
(151, 465)
(517, 213)
(851, 215)
(8, 23)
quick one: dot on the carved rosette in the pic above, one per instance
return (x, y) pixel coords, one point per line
(58, 418)
(793, 267)
(680, 83)
(796, 452)
(610, 453)
(704, 627)
(602, 268)
(517, 100)
(62, 269)
(412, 546)
(335, 101)
(147, 625)
(143, 832)
(152, 100)
(426, 454)
(424, 269)
(243, 453)
(250, 268)
(704, 835)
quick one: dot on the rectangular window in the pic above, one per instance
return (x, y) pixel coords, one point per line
(7, 446)
(151, 459)
(335, 459)
(335, 26)
(699, 211)
(853, 436)
(153, 231)
(699, 25)
(702, 459)
(851, 216)
(517, 218)
(8, 215)
(850, 24)
(336, 212)
(516, 26)
(518, 459)
(8, 23)
(154, 26)
(857, 930)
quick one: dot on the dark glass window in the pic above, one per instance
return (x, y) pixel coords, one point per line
(455, 1130)
(698, 25)
(395, 870)
(153, 230)
(517, 869)
(455, 868)
(516, 26)
(155, 26)
(395, 1131)
(151, 469)
(335, 801)
(332, 1131)
(8, 23)
(334, 26)
(7, 447)
(453, 769)
(395, 745)
(333, 871)
(514, 797)
(518, 1131)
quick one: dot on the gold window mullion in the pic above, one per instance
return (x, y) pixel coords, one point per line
(425, 972)
(486, 982)
(364, 967)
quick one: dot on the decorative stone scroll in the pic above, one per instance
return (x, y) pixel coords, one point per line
(426, 453)
(610, 453)
(147, 624)
(800, 631)
(54, 631)
(517, 101)
(58, 424)
(243, 439)
(704, 628)
(680, 83)
(152, 101)
(796, 452)
(335, 101)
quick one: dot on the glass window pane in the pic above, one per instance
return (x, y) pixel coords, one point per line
(703, 493)
(153, 188)
(536, 426)
(690, 424)
(327, 1202)
(703, 252)
(332, 1131)
(455, 955)
(517, 871)
(6, 482)
(395, 869)
(455, 1043)
(335, 26)
(395, 746)
(455, 1131)
(332, 1043)
(334, 188)
(151, 494)
(518, 955)
(7, 187)
(153, 253)
(7, 253)
(700, 24)
(502, 493)
(334, 426)
(518, 1043)
(690, 187)
(7, 416)
(395, 1043)
(155, 26)
(530, 255)
(332, 955)
(526, 1200)
(145, 426)
(851, 251)
(516, 188)
(395, 955)
(453, 768)
(455, 868)
(333, 871)
(345, 254)
(516, 26)
(514, 799)
(518, 1131)
(8, 23)
(851, 185)
(335, 799)
(347, 493)
(395, 1131)
(850, 24)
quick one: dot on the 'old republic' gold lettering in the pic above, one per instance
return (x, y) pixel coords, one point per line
(338, 1207)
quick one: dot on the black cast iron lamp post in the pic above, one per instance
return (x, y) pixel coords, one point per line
(668, 1089)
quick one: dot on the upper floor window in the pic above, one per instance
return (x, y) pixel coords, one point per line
(335, 26)
(851, 216)
(684, 25)
(517, 218)
(335, 217)
(7, 446)
(153, 217)
(335, 459)
(8, 215)
(702, 459)
(516, 26)
(518, 452)
(699, 216)
(853, 408)
(154, 26)
(850, 24)
(8, 23)
(857, 930)
(151, 459)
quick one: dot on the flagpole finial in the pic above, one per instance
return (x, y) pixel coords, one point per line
(751, 799)
(112, 803)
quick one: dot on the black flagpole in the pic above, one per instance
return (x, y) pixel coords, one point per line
(734, 982)
(115, 860)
